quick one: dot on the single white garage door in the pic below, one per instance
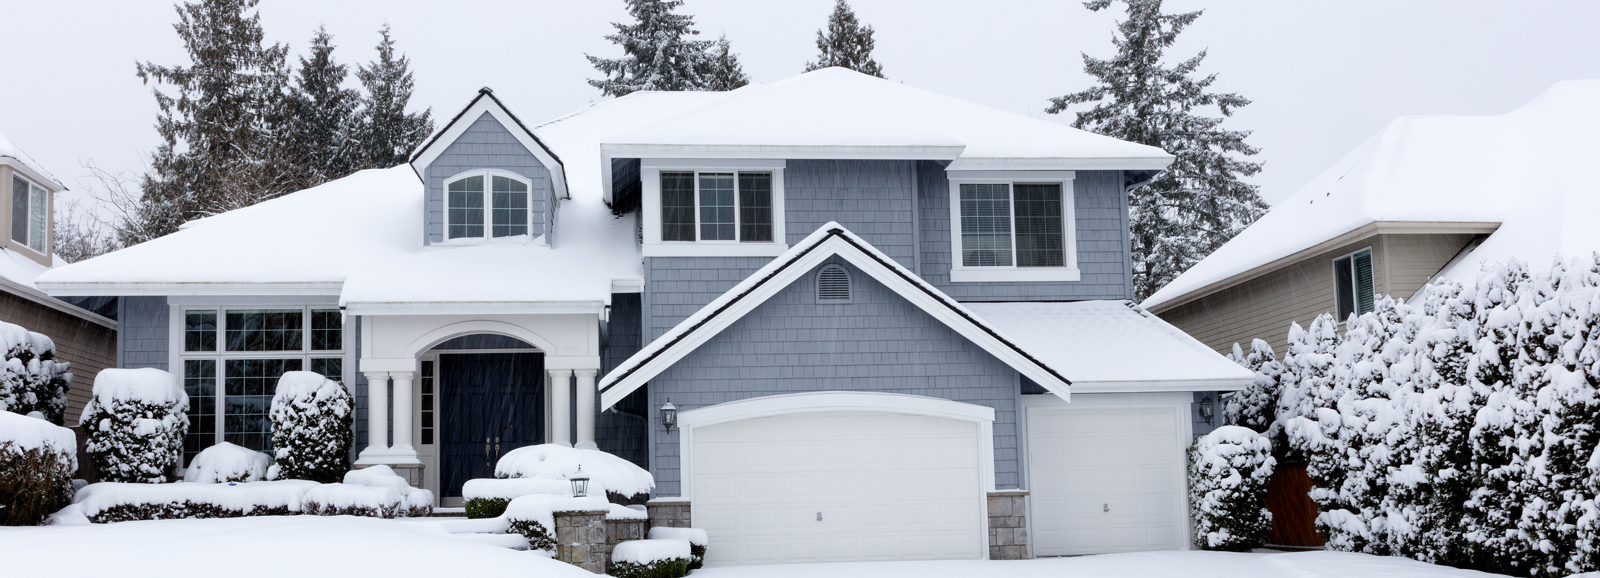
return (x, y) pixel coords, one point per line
(1105, 480)
(826, 487)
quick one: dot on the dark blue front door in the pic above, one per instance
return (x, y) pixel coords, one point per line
(491, 403)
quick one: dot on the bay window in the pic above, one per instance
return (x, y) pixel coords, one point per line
(480, 202)
(1012, 229)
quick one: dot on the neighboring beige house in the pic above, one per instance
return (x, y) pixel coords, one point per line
(1427, 197)
(86, 339)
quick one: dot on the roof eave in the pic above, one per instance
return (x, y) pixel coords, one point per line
(34, 174)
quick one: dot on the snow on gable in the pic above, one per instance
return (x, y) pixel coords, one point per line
(486, 103)
(1518, 174)
(11, 155)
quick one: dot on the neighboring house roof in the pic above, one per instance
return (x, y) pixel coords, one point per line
(17, 276)
(1113, 346)
(1520, 175)
(12, 156)
(827, 241)
(486, 103)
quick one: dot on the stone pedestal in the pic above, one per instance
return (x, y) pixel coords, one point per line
(619, 531)
(668, 512)
(1008, 525)
(581, 540)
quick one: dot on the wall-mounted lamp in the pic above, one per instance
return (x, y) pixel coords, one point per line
(1208, 409)
(669, 415)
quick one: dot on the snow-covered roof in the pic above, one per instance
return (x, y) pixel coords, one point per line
(13, 156)
(1521, 175)
(1113, 346)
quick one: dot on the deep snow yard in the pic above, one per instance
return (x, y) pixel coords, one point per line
(344, 546)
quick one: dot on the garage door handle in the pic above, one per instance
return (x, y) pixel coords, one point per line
(1105, 507)
(819, 516)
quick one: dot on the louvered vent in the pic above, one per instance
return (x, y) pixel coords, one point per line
(833, 284)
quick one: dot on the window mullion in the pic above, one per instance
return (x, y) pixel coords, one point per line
(1011, 200)
(738, 235)
(699, 219)
(219, 393)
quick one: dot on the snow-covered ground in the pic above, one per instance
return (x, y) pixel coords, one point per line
(1138, 565)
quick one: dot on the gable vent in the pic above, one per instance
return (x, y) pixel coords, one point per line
(833, 284)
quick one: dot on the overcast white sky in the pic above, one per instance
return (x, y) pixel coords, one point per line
(1324, 75)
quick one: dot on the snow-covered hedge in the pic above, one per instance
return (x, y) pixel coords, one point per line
(226, 462)
(118, 502)
(31, 379)
(37, 460)
(653, 558)
(1257, 406)
(557, 462)
(694, 536)
(135, 422)
(311, 435)
(374, 492)
(488, 497)
(1229, 469)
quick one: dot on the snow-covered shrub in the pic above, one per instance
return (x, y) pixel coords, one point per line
(1257, 406)
(311, 435)
(31, 379)
(533, 515)
(1229, 470)
(374, 492)
(118, 502)
(694, 536)
(557, 462)
(226, 462)
(653, 558)
(415, 502)
(135, 422)
(37, 460)
(488, 497)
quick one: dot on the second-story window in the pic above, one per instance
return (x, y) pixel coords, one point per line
(1352, 277)
(716, 206)
(1012, 225)
(29, 218)
(486, 202)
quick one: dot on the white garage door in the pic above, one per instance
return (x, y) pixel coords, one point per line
(826, 487)
(1105, 480)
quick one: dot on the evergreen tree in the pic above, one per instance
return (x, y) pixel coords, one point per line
(1200, 201)
(387, 132)
(1567, 409)
(1256, 407)
(325, 118)
(847, 43)
(1495, 508)
(723, 69)
(657, 52)
(223, 131)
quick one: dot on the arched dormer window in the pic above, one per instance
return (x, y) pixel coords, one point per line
(487, 200)
(833, 285)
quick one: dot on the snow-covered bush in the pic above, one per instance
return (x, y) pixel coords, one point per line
(37, 460)
(108, 502)
(557, 462)
(1257, 406)
(374, 492)
(311, 436)
(31, 379)
(135, 421)
(488, 497)
(1229, 470)
(533, 516)
(694, 536)
(653, 558)
(226, 462)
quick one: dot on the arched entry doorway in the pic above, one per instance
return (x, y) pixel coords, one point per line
(481, 395)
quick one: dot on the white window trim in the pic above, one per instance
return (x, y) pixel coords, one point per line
(1333, 264)
(650, 184)
(960, 273)
(178, 307)
(47, 216)
(488, 208)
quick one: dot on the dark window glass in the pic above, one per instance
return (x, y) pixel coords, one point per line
(329, 367)
(264, 330)
(200, 382)
(327, 330)
(248, 385)
(1039, 225)
(716, 207)
(755, 207)
(466, 207)
(426, 384)
(1362, 263)
(200, 331)
(986, 225)
(1344, 293)
(19, 210)
(677, 206)
(510, 207)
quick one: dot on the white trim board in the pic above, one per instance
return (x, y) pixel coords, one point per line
(827, 241)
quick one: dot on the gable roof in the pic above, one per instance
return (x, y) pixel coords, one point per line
(829, 240)
(487, 102)
(1439, 174)
(13, 157)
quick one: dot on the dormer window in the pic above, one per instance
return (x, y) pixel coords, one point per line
(29, 203)
(498, 197)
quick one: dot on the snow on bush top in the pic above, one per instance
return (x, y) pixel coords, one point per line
(95, 498)
(694, 536)
(1232, 447)
(653, 550)
(558, 462)
(226, 462)
(507, 489)
(148, 384)
(379, 476)
(306, 385)
(33, 433)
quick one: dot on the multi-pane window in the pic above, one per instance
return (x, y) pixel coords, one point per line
(232, 359)
(1353, 291)
(1012, 225)
(716, 206)
(30, 204)
(425, 385)
(501, 210)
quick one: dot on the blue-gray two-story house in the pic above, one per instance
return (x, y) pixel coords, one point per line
(838, 317)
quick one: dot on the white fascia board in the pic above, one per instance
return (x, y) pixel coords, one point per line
(635, 285)
(46, 300)
(476, 308)
(484, 104)
(619, 150)
(822, 244)
(834, 401)
(34, 175)
(1224, 384)
(1061, 164)
(93, 289)
(710, 164)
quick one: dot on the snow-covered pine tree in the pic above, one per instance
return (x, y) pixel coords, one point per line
(657, 53)
(387, 132)
(847, 43)
(1313, 423)
(1229, 470)
(1567, 407)
(311, 435)
(723, 71)
(223, 131)
(325, 119)
(1257, 406)
(1370, 415)
(1200, 201)
(1493, 511)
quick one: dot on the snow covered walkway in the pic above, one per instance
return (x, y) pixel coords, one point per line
(1139, 565)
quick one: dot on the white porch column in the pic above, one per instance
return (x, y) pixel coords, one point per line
(585, 408)
(402, 415)
(561, 406)
(377, 416)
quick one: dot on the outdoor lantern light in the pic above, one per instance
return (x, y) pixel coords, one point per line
(580, 484)
(1206, 409)
(669, 415)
